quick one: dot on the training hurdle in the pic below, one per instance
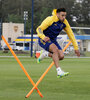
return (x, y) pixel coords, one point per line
(24, 70)
(40, 79)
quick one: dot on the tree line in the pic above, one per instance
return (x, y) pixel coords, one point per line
(78, 11)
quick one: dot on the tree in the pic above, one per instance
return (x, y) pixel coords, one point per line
(12, 10)
(81, 10)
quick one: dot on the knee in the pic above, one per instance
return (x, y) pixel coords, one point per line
(61, 57)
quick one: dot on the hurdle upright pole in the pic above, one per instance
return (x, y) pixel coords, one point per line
(40, 79)
(21, 66)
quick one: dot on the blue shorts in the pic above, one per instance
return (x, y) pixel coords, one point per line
(45, 45)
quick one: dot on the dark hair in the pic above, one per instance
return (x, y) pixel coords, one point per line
(61, 10)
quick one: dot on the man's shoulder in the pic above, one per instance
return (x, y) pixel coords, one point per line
(66, 22)
(49, 18)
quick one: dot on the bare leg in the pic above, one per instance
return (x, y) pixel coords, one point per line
(55, 54)
(61, 55)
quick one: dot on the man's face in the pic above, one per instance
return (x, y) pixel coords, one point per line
(61, 16)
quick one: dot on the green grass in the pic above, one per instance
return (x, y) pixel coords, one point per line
(14, 85)
(87, 54)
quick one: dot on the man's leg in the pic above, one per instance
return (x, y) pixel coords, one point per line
(43, 54)
(61, 54)
(56, 56)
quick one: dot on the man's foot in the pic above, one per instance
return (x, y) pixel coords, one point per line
(39, 58)
(62, 74)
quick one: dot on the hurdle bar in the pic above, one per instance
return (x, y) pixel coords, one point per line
(40, 79)
(24, 70)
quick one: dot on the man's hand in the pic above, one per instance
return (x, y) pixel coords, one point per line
(77, 53)
(46, 39)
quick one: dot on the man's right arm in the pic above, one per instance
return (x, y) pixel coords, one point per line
(44, 25)
(40, 33)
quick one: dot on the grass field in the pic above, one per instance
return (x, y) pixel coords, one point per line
(14, 85)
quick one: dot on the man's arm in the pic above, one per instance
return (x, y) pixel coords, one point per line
(44, 25)
(71, 37)
(40, 33)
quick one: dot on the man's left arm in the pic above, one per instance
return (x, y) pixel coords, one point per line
(71, 37)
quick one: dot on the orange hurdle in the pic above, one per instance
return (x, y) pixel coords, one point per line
(40, 79)
(22, 66)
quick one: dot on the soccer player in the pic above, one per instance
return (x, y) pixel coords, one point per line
(48, 31)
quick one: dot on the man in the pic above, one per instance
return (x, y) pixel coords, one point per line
(48, 32)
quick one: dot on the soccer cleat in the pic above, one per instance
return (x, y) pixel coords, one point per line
(39, 58)
(62, 74)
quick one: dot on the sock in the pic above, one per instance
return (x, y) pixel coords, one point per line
(44, 54)
(58, 70)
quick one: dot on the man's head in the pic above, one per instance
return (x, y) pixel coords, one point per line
(61, 14)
